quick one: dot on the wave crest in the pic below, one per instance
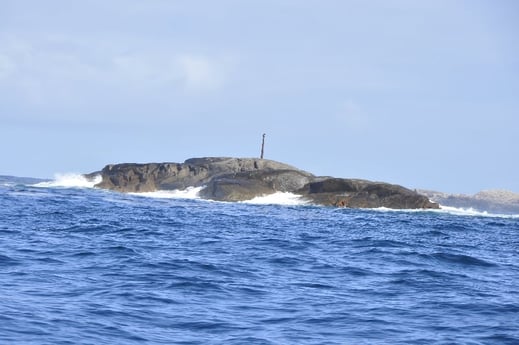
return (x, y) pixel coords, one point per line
(472, 212)
(278, 198)
(70, 180)
(450, 210)
(188, 193)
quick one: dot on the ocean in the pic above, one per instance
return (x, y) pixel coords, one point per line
(79, 265)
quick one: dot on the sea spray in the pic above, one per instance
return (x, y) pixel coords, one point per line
(278, 198)
(457, 211)
(188, 193)
(70, 180)
(75, 180)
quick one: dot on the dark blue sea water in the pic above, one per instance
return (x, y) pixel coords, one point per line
(87, 266)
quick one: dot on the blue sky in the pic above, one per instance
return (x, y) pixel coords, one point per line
(419, 93)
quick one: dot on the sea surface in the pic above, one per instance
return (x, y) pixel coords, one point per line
(79, 265)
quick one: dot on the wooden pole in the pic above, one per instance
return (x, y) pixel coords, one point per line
(262, 146)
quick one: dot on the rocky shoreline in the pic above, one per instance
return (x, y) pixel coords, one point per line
(240, 179)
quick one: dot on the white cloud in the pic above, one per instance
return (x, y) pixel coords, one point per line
(59, 71)
(188, 72)
(201, 72)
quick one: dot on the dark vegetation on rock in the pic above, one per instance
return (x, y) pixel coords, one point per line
(239, 179)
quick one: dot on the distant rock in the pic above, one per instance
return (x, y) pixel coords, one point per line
(239, 179)
(6, 179)
(492, 201)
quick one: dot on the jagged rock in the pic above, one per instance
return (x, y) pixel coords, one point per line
(238, 179)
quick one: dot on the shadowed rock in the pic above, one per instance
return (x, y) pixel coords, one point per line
(239, 179)
(363, 194)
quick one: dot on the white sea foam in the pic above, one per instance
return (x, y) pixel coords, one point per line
(188, 193)
(278, 198)
(70, 180)
(473, 212)
(451, 210)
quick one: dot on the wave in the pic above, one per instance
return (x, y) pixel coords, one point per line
(278, 198)
(450, 210)
(74, 180)
(188, 193)
(472, 212)
(70, 180)
(290, 199)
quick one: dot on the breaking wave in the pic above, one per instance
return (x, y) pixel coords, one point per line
(70, 180)
(472, 212)
(451, 210)
(188, 193)
(278, 198)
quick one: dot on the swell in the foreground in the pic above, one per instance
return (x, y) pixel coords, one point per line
(83, 265)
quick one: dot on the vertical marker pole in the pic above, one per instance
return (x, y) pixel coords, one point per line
(262, 146)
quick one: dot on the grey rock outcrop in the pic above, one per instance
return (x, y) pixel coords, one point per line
(239, 179)
(356, 193)
(195, 172)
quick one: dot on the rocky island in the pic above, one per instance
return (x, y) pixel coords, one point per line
(240, 179)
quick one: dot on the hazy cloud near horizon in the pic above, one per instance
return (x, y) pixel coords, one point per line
(422, 94)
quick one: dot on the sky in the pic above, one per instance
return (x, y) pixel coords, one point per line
(423, 94)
